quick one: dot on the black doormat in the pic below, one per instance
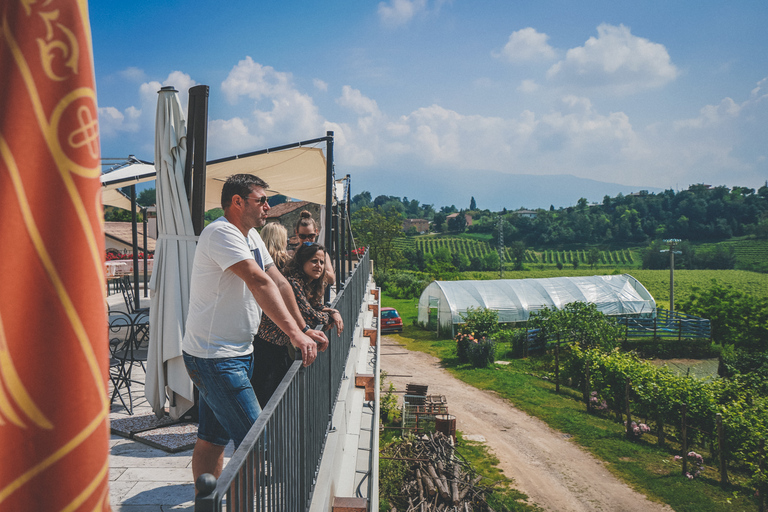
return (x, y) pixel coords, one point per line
(164, 433)
(172, 439)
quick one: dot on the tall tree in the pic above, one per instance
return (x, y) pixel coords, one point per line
(378, 230)
(517, 250)
(472, 204)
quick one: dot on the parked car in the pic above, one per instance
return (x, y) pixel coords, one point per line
(390, 320)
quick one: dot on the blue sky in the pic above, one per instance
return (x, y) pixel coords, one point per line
(648, 94)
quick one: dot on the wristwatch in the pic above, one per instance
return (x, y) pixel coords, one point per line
(306, 328)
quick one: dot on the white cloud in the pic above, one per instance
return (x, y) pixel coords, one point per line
(141, 117)
(133, 74)
(354, 100)
(399, 12)
(528, 86)
(616, 61)
(320, 85)
(280, 112)
(527, 45)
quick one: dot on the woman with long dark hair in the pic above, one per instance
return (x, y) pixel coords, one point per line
(273, 352)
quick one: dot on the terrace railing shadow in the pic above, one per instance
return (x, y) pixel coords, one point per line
(275, 467)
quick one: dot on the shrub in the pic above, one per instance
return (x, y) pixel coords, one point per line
(483, 353)
(480, 352)
(517, 340)
(484, 323)
(402, 285)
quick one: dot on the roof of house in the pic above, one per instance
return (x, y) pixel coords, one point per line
(281, 209)
(121, 231)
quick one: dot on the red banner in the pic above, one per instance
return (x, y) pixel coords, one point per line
(54, 408)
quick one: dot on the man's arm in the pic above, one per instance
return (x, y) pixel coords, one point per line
(269, 298)
(286, 291)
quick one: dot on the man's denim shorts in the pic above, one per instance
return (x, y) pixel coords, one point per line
(228, 405)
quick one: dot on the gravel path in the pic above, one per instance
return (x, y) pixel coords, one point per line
(553, 471)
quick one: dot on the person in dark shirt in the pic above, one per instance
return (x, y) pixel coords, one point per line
(274, 352)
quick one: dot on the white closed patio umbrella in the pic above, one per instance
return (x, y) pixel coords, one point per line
(174, 252)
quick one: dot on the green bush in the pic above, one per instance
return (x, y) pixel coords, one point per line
(481, 322)
(517, 339)
(483, 353)
(401, 284)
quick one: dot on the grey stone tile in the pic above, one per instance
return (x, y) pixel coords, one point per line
(119, 489)
(114, 472)
(160, 493)
(153, 474)
(136, 508)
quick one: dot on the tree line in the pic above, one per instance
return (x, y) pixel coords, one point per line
(700, 213)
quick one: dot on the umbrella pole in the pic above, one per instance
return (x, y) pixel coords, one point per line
(135, 241)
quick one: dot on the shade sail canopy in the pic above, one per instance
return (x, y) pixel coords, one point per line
(515, 299)
(298, 172)
(116, 198)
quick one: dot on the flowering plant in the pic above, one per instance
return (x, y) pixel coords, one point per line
(478, 351)
(124, 256)
(697, 463)
(638, 429)
(598, 404)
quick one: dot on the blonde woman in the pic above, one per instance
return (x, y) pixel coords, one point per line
(275, 237)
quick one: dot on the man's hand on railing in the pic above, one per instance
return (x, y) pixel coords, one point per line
(319, 338)
(307, 346)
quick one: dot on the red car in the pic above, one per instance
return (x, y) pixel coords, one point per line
(390, 320)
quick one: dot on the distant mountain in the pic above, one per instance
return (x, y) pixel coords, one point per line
(491, 190)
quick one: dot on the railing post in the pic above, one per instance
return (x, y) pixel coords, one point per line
(206, 501)
(557, 365)
(684, 435)
(721, 449)
(630, 432)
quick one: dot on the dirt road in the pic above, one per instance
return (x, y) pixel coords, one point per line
(553, 471)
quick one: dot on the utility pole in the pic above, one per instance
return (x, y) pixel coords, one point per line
(672, 242)
(501, 247)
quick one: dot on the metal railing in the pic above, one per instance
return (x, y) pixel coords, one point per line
(275, 467)
(667, 324)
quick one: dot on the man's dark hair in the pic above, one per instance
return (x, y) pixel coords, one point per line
(241, 185)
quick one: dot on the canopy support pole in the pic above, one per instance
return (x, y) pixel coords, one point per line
(329, 184)
(135, 242)
(197, 144)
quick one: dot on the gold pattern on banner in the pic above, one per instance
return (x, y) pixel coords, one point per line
(87, 134)
(9, 379)
(50, 48)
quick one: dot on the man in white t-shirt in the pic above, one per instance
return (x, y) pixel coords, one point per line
(233, 280)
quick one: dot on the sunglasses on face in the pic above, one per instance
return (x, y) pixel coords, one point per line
(261, 200)
(310, 236)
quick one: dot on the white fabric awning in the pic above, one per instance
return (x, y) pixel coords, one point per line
(299, 173)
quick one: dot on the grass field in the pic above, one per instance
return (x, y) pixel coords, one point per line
(750, 253)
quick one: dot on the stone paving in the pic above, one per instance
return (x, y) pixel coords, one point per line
(143, 478)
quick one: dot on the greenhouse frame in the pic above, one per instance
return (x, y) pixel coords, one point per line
(442, 303)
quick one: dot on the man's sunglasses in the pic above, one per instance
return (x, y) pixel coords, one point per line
(261, 200)
(310, 236)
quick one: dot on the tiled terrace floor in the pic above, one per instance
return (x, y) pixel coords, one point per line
(143, 478)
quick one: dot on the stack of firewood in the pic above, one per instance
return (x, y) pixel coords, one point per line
(439, 479)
